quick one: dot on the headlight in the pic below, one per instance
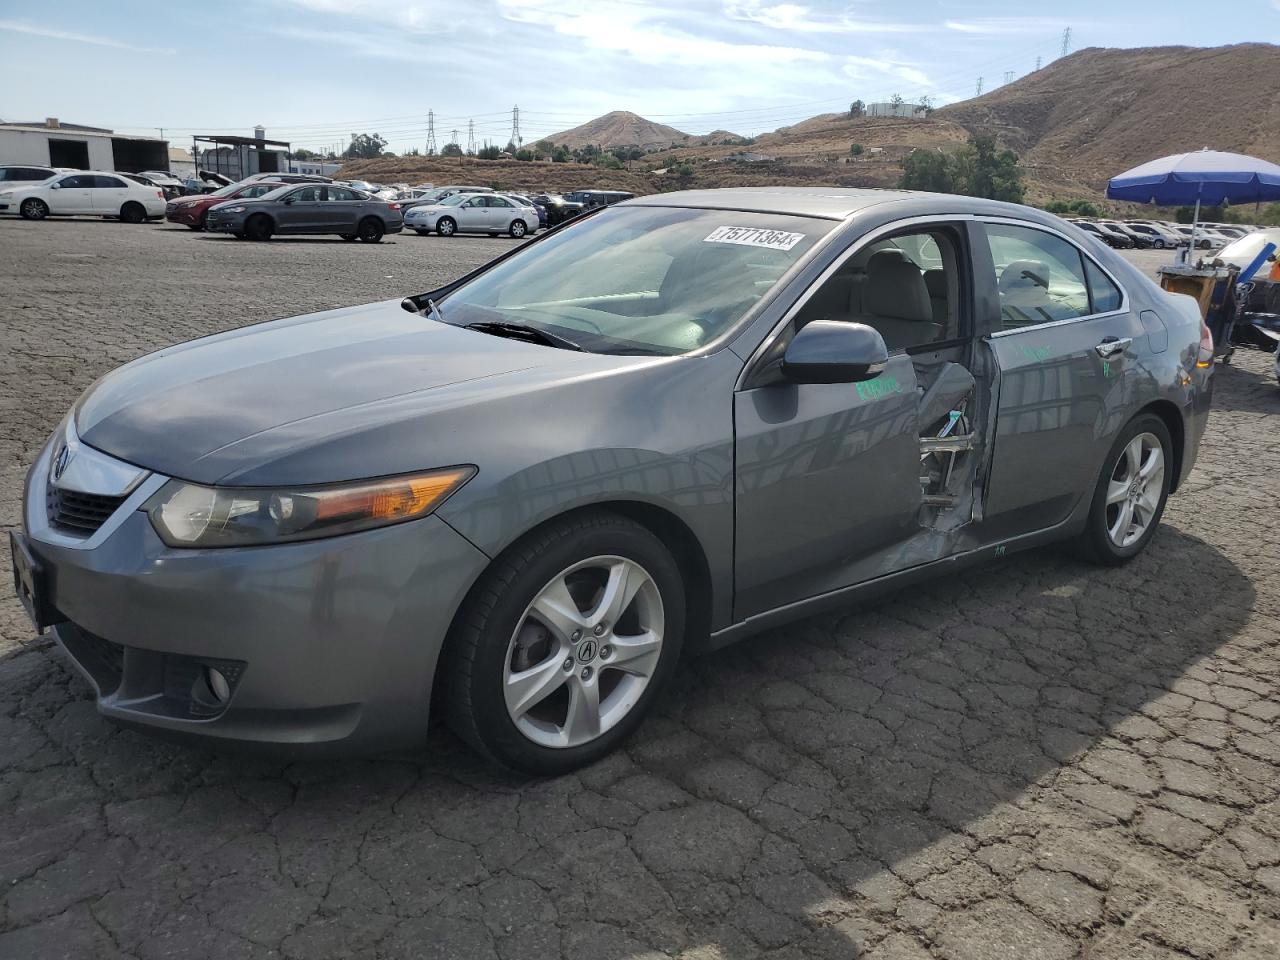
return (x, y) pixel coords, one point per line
(190, 515)
(7, 194)
(232, 209)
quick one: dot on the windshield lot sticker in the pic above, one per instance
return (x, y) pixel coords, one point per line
(754, 237)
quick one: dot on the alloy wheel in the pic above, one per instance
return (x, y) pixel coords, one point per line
(1135, 489)
(583, 652)
(34, 209)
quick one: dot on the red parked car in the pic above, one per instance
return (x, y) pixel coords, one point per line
(191, 211)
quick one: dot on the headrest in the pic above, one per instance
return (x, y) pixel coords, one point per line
(894, 288)
(1025, 274)
(936, 283)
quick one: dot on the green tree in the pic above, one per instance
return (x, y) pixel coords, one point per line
(681, 171)
(855, 149)
(489, 152)
(609, 161)
(524, 154)
(364, 146)
(561, 154)
(451, 150)
(927, 170)
(857, 109)
(303, 154)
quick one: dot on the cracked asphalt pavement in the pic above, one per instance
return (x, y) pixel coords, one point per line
(1036, 760)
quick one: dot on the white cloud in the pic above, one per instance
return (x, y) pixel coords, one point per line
(802, 19)
(50, 34)
(864, 69)
(1005, 25)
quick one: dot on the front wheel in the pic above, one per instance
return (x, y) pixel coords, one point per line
(518, 229)
(33, 209)
(564, 644)
(1130, 495)
(133, 212)
(371, 230)
(258, 228)
(446, 227)
(1158, 244)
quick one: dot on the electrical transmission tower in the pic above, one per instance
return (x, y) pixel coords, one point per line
(454, 139)
(431, 133)
(1066, 41)
(515, 126)
(978, 92)
(1038, 63)
(1008, 76)
(471, 138)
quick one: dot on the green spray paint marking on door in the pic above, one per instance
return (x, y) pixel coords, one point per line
(874, 389)
(1035, 354)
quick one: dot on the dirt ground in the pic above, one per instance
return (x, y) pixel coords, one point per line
(1036, 760)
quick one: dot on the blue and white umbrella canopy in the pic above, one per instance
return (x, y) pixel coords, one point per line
(1209, 177)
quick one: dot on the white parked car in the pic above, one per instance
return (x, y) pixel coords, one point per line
(14, 175)
(491, 213)
(85, 193)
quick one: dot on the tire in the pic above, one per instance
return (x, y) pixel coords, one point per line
(133, 212)
(446, 226)
(1146, 504)
(33, 208)
(422, 233)
(349, 237)
(371, 230)
(258, 227)
(1158, 244)
(195, 226)
(496, 635)
(518, 229)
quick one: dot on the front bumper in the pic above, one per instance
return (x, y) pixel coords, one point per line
(327, 644)
(223, 224)
(188, 215)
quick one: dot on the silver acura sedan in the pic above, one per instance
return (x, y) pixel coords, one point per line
(524, 495)
(491, 213)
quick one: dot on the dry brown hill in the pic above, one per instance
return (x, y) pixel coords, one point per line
(621, 128)
(1097, 112)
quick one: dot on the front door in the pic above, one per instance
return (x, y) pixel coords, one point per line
(342, 209)
(1067, 368)
(72, 194)
(830, 478)
(473, 214)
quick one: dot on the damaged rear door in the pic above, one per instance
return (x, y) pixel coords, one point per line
(841, 483)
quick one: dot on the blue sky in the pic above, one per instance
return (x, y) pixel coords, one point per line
(315, 71)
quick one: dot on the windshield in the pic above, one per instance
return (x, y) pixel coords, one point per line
(658, 280)
(455, 199)
(227, 191)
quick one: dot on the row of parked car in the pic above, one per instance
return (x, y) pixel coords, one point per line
(267, 204)
(1161, 234)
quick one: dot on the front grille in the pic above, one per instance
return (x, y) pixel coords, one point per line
(79, 512)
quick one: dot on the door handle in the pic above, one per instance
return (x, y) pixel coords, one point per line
(1110, 346)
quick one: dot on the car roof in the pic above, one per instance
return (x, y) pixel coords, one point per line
(834, 203)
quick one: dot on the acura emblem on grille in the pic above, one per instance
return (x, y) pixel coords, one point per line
(60, 461)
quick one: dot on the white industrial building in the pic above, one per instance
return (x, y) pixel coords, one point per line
(56, 144)
(904, 110)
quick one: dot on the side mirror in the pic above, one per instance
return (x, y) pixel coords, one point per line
(832, 351)
(55, 186)
(288, 200)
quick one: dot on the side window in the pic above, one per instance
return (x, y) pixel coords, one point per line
(1039, 275)
(499, 202)
(340, 193)
(1104, 295)
(307, 195)
(108, 183)
(80, 181)
(907, 287)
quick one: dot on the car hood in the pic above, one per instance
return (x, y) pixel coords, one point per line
(271, 403)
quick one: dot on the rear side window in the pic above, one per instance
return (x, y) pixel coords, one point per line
(9, 174)
(1104, 294)
(108, 183)
(1039, 275)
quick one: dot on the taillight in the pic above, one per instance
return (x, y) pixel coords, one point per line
(1205, 357)
(160, 194)
(395, 206)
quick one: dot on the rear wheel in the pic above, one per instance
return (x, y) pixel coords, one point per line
(564, 644)
(258, 227)
(446, 227)
(1130, 495)
(370, 230)
(133, 212)
(34, 208)
(518, 229)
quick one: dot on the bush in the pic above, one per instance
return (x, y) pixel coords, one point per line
(489, 152)
(855, 149)
(976, 170)
(524, 155)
